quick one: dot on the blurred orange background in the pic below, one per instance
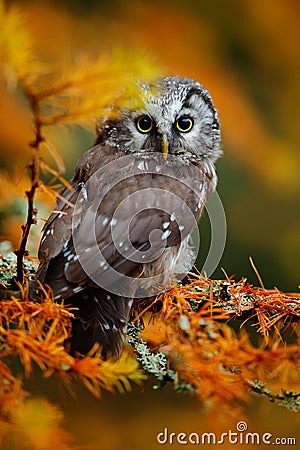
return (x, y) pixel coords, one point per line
(247, 55)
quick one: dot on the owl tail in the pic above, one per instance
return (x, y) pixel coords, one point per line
(101, 318)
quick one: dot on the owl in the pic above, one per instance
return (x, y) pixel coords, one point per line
(121, 231)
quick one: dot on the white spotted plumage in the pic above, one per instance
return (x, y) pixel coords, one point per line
(101, 316)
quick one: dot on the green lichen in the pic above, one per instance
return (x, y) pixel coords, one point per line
(8, 266)
(289, 400)
(154, 363)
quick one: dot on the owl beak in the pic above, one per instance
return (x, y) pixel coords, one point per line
(164, 147)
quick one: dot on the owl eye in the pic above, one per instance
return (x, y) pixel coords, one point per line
(144, 124)
(184, 124)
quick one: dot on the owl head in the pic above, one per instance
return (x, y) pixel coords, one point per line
(172, 115)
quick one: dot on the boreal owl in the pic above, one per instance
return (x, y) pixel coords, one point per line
(122, 231)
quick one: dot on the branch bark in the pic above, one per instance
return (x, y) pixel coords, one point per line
(34, 169)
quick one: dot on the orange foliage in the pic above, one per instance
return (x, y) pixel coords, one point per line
(38, 426)
(36, 334)
(48, 82)
(190, 327)
(193, 330)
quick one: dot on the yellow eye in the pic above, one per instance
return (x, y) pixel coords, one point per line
(184, 124)
(144, 124)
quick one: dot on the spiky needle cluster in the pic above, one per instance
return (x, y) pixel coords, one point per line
(191, 341)
(185, 336)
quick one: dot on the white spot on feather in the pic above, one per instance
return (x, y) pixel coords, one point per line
(141, 165)
(165, 235)
(84, 193)
(77, 289)
(172, 217)
(165, 225)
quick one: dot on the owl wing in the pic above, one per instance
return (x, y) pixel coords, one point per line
(58, 228)
(117, 207)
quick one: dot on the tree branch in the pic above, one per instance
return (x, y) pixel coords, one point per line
(34, 169)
